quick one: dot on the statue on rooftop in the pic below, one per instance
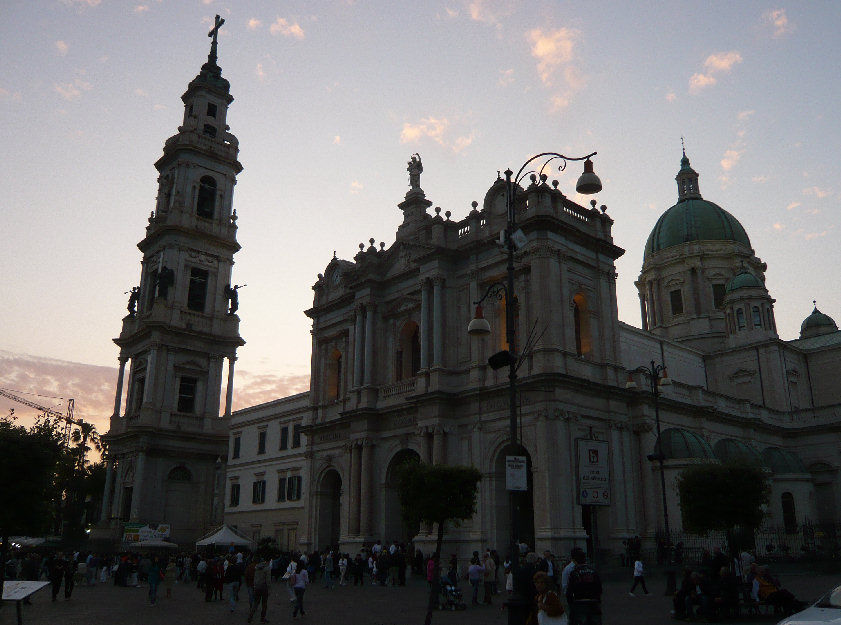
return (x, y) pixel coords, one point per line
(415, 169)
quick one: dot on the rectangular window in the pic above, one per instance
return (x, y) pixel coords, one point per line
(284, 437)
(718, 296)
(293, 488)
(281, 488)
(187, 395)
(261, 442)
(234, 495)
(258, 492)
(296, 436)
(236, 447)
(125, 513)
(197, 291)
(211, 109)
(677, 302)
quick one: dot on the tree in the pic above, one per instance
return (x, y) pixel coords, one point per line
(28, 459)
(723, 496)
(436, 494)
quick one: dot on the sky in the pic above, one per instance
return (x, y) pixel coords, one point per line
(332, 98)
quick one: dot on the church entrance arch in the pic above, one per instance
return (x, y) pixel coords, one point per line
(394, 528)
(328, 500)
(503, 502)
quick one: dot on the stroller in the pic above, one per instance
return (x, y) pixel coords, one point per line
(451, 596)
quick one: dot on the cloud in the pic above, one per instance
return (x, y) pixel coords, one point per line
(671, 96)
(745, 115)
(72, 90)
(141, 92)
(356, 187)
(251, 389)
(9, 96)
(254, 24)
(141, 9)
(337, 140)
(792, 206)
(817, 192)
(552, 49)
(778, 19)
(159, 107)
(815, 235)
(730, 158)
(451, 13)
(62, 48)
(720, 63)
(492, 13)
(283, 27)
(760, 179)
(506, 77)
(261, 74)
(778, 226)
(81, 3)
(436, 129)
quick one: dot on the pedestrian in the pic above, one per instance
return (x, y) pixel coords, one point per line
(329, 570)
(55, 567)
(489, 574)
(474, 574)
(300, 581)
(154, 576)
(290, 584)
(639, 577)
(584, 592)
(261, 588)
(233, 577)
(70, 567)
(548, 607)
(343, 562)
(248, 575)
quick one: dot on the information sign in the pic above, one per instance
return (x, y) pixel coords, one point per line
(516, 476)
(593, 473)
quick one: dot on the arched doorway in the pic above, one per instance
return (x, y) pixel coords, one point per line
(502, 504)
(179, 504)
(394, 528)
(328, 498)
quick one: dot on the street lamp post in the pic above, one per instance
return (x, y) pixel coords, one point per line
(588, 183)
(656, 381)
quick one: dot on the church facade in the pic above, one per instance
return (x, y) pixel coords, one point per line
(396, 376)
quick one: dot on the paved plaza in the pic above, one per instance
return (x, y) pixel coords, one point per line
(106, 604)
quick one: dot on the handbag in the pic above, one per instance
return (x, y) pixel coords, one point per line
(286, 575)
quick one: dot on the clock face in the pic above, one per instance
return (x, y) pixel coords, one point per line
(337, 277)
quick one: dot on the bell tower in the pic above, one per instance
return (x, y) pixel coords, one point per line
(167, 448)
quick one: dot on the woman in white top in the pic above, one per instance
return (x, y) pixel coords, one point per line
(342, 569)
(639, 578)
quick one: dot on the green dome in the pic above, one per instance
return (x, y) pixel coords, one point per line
(679, 443)
(744, 280)
(782, 461)
(693, 218)
(816, 324)
(731, 449)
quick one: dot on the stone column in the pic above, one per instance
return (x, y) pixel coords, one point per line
(643, 312)
(424, 326)
(438, 321)
(366, 489)
(567, 484)
(213, 385)
(229, 395)
(118, 400)
(107, 495)
(117, 504)
(355, 487)
(357, 347)
(439, 451)
(369, 345)
(425, 445)
(150, 375)
(139, 478)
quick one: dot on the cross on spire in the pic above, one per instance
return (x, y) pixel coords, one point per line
(213, 33)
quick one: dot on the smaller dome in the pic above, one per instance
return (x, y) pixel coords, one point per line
(679, 443)
(744, 280)
(729, 449)
(496, 198)
(817, 324)
(782, 461)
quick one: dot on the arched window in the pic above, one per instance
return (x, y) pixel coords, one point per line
(581, 321)
(334, 375)
(740, 319)
(789, 513)
(407, 358)
(757, 317)
(180, 474)
(206, 203)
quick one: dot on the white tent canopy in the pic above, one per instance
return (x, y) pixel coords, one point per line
(154, 544)
(224, 536)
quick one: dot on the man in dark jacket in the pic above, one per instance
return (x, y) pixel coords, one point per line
(584, 593)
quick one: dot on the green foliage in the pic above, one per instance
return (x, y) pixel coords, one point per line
(28, 461)
(436, 493)
(723, 496)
